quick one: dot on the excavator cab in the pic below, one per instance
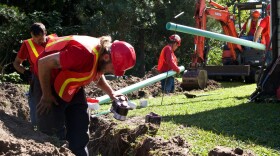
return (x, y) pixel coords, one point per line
(252, 57)
(239, 7)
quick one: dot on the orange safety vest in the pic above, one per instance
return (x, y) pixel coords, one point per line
(248, 25)
(67, 83)
(34, 49)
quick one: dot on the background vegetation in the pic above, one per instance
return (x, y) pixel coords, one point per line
(140, 22)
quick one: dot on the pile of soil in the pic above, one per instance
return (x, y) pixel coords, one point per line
(146, 92)
(18, 137)
(110, 137)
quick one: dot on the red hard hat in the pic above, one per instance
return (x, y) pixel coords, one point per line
(268, 7)
(123, 57)
(256, 14)
(175, 38)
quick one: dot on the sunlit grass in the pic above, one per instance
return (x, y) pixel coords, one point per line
(222, 117)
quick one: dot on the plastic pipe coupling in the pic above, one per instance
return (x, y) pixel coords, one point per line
(120, 107)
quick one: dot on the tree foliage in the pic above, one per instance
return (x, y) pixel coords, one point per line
(139, 22)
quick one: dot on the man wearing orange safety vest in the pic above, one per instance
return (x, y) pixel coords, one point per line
(30, 50)
(168, 61)
(264, 31)
(66, 66)
(250, 27)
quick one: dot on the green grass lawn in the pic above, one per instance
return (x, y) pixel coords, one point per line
(221, 117)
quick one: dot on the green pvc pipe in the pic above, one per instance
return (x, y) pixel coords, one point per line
(101, 113)
(136, 86)
(221, 37)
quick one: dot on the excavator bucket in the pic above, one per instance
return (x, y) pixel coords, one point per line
(197, 78)
(194, 79)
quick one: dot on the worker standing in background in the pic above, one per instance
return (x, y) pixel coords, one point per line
(29, 50)
(63, 70)
(264, 31)
(250, 26)
(168, 61)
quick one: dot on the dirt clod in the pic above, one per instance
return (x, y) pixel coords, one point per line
(226, 151)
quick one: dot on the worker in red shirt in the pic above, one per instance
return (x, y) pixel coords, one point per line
(29, 50)
(66, 66)
(168, 61)
(250, 27)
(264, 31)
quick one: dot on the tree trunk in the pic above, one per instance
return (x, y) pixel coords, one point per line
(141, 41)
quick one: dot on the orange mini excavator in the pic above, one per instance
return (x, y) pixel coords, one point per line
(237, 62)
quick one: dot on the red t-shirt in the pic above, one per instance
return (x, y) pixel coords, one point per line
(24, 54)
(252, 28)
(265, 24)
(74, 57)
(167, 60)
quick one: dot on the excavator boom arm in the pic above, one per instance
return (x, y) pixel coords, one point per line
(220, 14)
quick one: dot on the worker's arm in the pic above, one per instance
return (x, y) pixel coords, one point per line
(45, 66)
(18, 65)
(258, 34)
(171, 62)
(103, 84)
(22, 55)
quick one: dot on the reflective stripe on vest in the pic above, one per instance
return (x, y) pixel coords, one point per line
(51, 36)
(37, 49)
(59, 39)
(67, 82)
(34, 50)
(248, 25)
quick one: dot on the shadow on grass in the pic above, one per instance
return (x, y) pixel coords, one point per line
(258, 123)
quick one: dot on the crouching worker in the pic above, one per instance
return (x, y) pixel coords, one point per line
(66, 66)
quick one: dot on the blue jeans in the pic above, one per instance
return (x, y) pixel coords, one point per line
(249, 38)
(167, 85)
(31, 103)
(32, 107)
(67, 120)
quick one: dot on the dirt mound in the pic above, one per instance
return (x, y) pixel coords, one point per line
(111, 137)
(146, 92)
(17, 136)
(13, 100)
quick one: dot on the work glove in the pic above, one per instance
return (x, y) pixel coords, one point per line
(27, 75)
